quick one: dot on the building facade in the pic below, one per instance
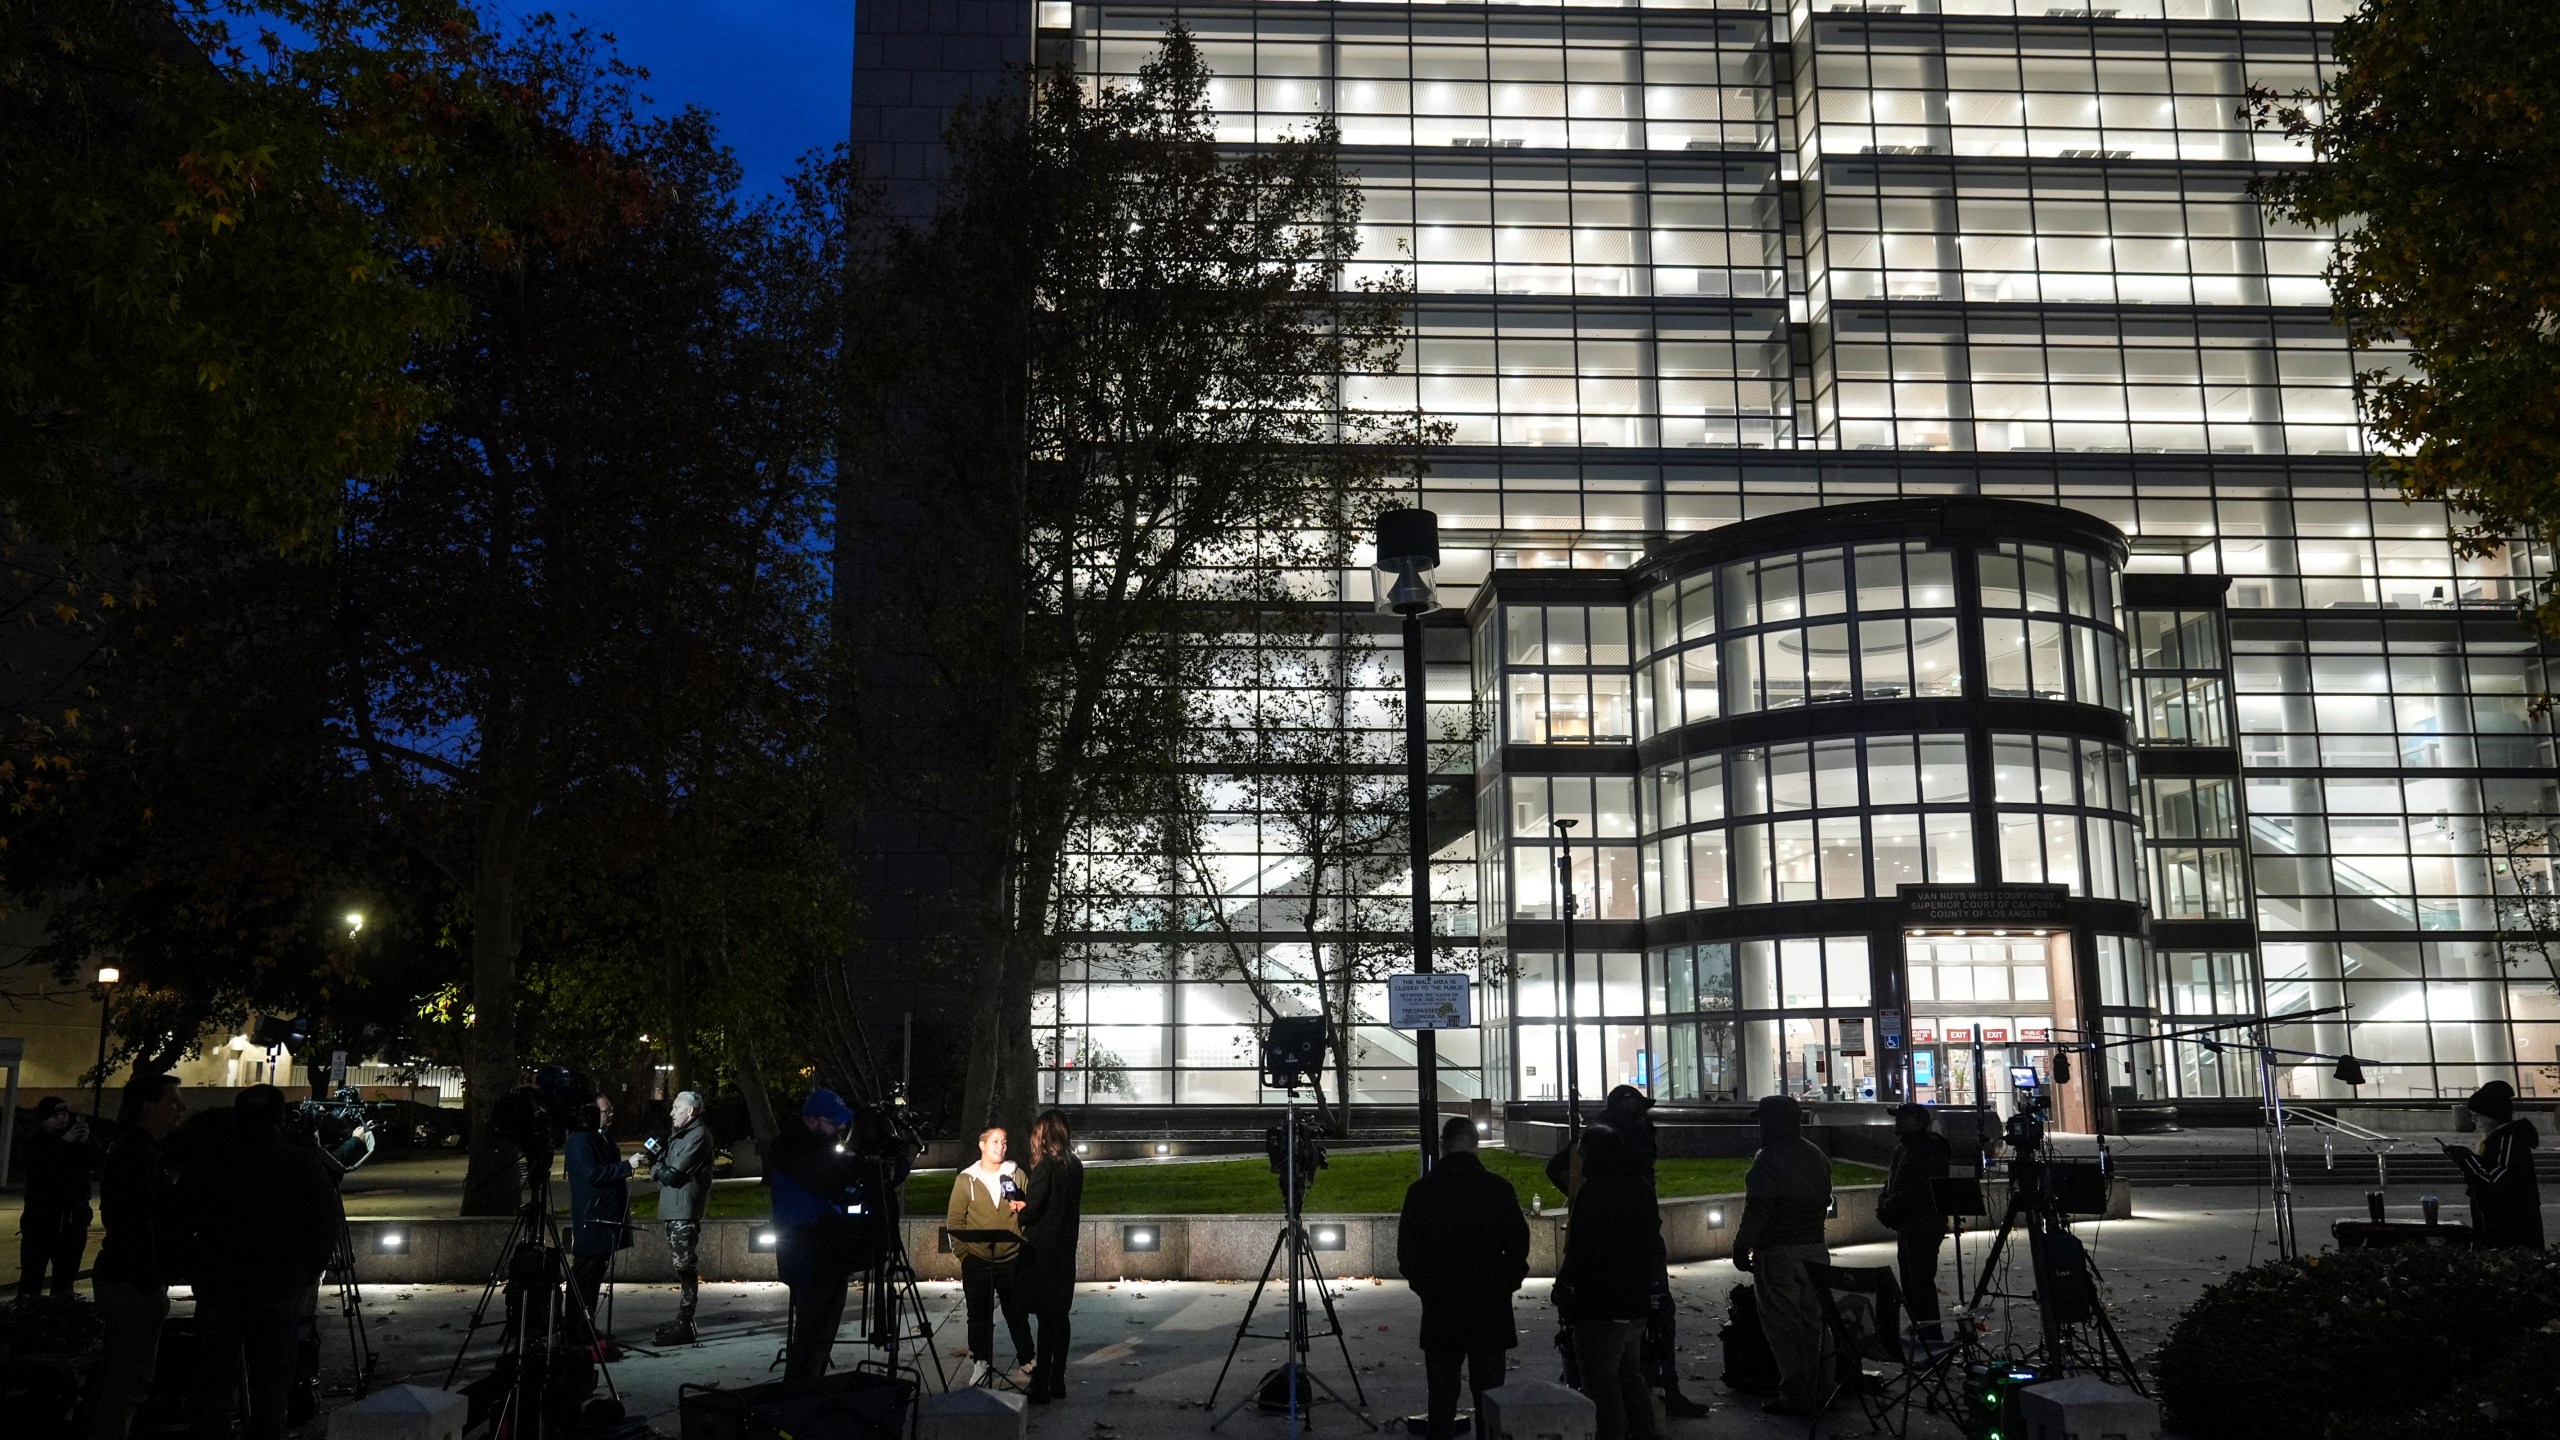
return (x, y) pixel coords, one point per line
(1903, 491)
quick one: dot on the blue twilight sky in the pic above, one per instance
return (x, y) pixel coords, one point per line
(778, 74)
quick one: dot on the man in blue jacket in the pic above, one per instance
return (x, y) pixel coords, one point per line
(815, 1251)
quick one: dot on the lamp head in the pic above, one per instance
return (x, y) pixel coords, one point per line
(1408, 553)
(108, 975)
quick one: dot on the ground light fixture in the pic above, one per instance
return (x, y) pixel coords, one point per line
(764, 1242)
(390, 1242)
(1163, 1149)
(1141, 1239)
(1328, 1237)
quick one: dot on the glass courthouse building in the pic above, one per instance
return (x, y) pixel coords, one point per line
(1907, 508)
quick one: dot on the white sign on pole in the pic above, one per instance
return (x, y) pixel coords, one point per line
(1431, 1002)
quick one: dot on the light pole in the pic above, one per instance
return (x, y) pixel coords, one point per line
(108, 975)
(1408, 552)
(1572, 1041)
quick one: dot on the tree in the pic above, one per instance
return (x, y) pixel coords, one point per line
(575, 603)
(2438, 161)
(1107, 404)
(205, 311)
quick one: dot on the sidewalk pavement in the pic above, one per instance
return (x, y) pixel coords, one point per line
(1146, 1354)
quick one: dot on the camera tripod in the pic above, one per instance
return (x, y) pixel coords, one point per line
(342, 1270)
(1293, 1374)
(542, 1309)
(2076, 1335)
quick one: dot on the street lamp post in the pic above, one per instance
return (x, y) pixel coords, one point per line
(1572, 1040)
(108, 975)
(1408, 553)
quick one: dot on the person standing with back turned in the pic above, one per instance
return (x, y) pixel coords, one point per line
(1604, 1288)
(1463, 1245)
(1909, 1207)
(139, 1258)
(1051, 1210)
(265, 1216)
(1786, 1196)
(53, 1224)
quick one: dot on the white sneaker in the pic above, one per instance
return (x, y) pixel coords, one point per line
(979, 1371)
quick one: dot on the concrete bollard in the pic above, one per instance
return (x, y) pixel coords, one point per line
(401, 1412)
(1536, 1410)
(971, 1413)
(2083, 1406)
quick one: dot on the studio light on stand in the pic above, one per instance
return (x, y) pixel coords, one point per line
(1408, 554)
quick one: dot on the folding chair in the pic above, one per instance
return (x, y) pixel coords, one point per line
(1862, 1308)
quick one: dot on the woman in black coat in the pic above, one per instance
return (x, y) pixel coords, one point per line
(1052, 1213)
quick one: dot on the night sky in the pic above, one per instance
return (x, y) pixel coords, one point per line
(776, 74)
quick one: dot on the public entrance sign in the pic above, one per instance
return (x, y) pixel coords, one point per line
(1431, 1002)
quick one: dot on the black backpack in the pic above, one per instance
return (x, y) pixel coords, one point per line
(1750, 1366)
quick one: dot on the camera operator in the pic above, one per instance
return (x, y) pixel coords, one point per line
(682, 1168)
(140, 1256)
(262, 1216)
(1909, 1208)
(1463, 1245)
(53, 1228)
(599, 1203)
(1786, 1196)
(818, 1244)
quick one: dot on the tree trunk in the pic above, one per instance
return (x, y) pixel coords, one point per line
(759, 1101)
(490, 1065)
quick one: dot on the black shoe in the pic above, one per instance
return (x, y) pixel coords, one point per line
(675, 1332)
(1038, 1395)
(1681, 1406)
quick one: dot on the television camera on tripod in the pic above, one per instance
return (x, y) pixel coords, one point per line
(1292, 1058)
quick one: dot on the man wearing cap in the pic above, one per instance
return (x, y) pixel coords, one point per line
(2506, 1199)
(814, 1250)
(1786, 1197)
(1909, 1207)
(1624, 1112)
(53, 1228)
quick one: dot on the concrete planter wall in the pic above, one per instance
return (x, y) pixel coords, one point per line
(1187, 1247)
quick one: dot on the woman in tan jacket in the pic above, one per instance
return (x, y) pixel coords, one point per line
(985, 1198)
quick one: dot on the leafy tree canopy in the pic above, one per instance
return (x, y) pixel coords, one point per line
(204, 304)
(2438, 140)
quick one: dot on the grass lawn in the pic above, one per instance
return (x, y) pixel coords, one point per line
(1366, 1182)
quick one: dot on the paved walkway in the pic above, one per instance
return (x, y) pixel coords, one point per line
(1146, 1354)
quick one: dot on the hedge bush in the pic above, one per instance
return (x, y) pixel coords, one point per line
(2371, 1345)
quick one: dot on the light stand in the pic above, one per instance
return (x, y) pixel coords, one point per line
(1565, 905)
(108, 975)
(1408, 551)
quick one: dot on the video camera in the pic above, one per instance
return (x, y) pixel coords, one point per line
(535, 1118)
(340, 1126)
(1276, 1145)
(2025, 1128)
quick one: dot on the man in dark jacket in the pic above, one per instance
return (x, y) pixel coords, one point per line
(815, 1250)
(683, 1173)
(140, 1256)
(53, 1228)
(1604, 1288)
(262, 1215)
(1463, 1245)
(1909, 1207)
(2506, 1198)
(1624, 1112)
(599, 1203)
(1786, 1196)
